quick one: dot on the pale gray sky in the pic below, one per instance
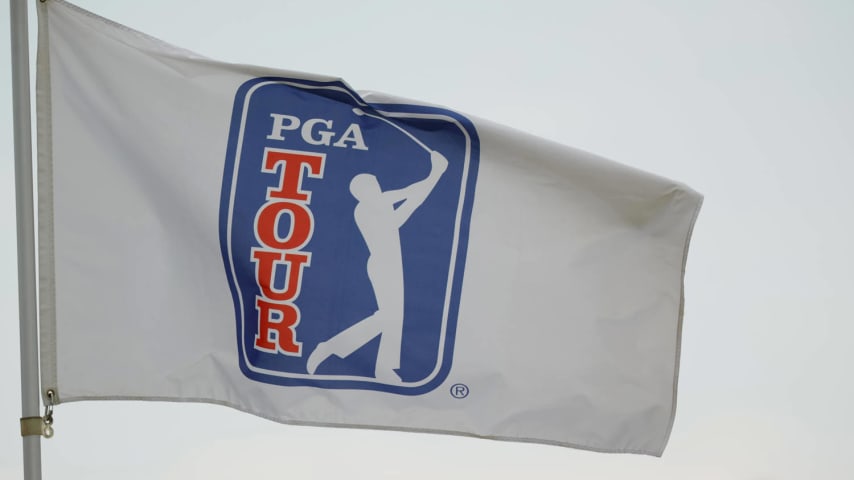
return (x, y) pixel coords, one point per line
(749, 102)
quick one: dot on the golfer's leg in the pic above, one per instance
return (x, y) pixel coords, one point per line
(346, 342)
(388, 356)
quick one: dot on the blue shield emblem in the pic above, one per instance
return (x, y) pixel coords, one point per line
(343, 229)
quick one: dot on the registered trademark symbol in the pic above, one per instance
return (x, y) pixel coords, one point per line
(459, 390)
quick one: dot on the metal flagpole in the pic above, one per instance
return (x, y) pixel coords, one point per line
(26, 235)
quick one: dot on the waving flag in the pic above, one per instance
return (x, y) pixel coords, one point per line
(285, 245)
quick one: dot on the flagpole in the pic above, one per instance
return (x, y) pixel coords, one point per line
(26, 233)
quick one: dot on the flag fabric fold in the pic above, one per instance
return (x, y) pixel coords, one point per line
(282, 244)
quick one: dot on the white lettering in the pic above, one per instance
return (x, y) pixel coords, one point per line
(352, 134)
(325, 135)
(279, 125)
(317, 131)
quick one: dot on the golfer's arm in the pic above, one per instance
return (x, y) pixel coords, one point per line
(395, 196)
(415, 195)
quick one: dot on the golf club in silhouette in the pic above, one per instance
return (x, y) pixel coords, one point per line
(379, 216)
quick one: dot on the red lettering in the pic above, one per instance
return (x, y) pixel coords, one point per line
(267, 225)
(265, 272)
(290, 179)
(277, 315)
(279, 334)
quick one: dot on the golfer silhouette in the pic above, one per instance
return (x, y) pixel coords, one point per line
(379, 221)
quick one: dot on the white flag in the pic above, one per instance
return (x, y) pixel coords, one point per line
(282, 244)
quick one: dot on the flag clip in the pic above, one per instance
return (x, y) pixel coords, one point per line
(47, 431)
(42, 426)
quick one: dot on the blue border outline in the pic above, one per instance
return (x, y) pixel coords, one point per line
(462, 240)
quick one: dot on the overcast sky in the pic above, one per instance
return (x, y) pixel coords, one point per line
(749, 102)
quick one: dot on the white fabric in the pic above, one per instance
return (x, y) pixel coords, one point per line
(569, 322)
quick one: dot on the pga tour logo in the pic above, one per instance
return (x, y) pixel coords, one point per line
(343, 228)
